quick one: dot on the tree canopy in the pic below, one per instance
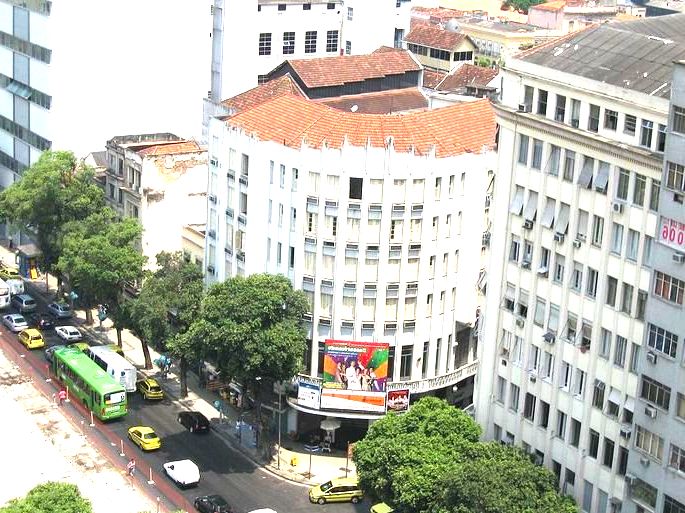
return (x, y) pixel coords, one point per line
(50, 497)
(430, 460)
(522, 5)
(53, 192)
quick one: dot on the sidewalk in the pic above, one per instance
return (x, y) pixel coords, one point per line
(296, 464)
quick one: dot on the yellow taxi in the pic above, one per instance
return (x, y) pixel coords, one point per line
(341, 489)
(81, 346)
(150, 389)
(9, 273)
(144, 437)
(31, 338)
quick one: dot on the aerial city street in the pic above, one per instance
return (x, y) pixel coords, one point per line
(380, 256)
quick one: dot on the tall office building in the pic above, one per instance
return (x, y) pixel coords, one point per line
(581, 143)
(656, 472)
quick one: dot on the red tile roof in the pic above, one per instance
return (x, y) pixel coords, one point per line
(382, 102)
(272, 89)
(432, 78)
(556, 5)
(467, 75)
(332, 71)
(292, 121)
(434, 37)
(172, 148)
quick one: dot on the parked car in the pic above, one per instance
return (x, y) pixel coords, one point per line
(31, 338)
(68, 333)
(9, 273)
(40, 321)
(24, 303)
(183, 472)
(49, 351)
(341, 489)
(15, 322)
(60, 310)
(212, 504)
(144, 437)
(382, 507)
(193, 421)
(150, 389)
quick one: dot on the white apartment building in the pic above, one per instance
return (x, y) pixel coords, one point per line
(161, 180)
(378, 218)
(252, 37)
(582, 134)
(68, 89)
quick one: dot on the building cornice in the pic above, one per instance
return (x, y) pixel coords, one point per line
(631, 155)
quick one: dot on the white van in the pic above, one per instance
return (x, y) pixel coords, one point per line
(16, 286)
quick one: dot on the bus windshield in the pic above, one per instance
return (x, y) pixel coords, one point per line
(115, 397)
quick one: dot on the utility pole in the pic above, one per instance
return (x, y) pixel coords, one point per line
(278, 455)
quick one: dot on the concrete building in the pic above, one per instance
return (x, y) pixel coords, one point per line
(657, 471)
(439, 49)
(571, 15)
(161, 180)
(252, 37)
(378, 218)
(581, 141)
(69, 89)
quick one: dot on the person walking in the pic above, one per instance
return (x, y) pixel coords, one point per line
(131, 467)
(62, 396)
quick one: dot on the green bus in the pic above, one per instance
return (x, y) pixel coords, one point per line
(86, 380)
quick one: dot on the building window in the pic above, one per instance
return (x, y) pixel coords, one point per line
(644, 493)
(632, 245)
(310, 41)
(405, 362)
(598, 395)
(639, 190)
(543, 420)
(523, 149)
(629, 124)
(623, 184)
(627, 298)
(529, 407)
(574, 439)
(610, 119)
(597, 230)
(592, 278)
(620, 351)
(542, 102)
(348, 47)
(612, 286)
(514, 397)
(537, 155)
(593, 120)
(661, 138)
(575, 113)
(675, 177)
(672, 506)
(560, 112)
(646, 133)
(442, 55)
(569, 165)
(593, 444)
(663, 341)
(501, 385)
(307, 7)
(608, 458)
(678, 124)
(656, 393)
(669, 288)
(288, 43)
(350, 14)
(680, 406)
(462, 56)
(282, 7)
(649, 442)
(561, 424)
(332, 41)
(265, 43)
(330, 6)
(676, 459)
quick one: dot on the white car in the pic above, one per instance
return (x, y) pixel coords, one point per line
(15, 322)
(183, 472)
(68, 333)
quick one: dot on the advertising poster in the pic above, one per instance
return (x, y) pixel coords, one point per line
(672, 233)
(398, 400)
(354, 376)
(308, 393)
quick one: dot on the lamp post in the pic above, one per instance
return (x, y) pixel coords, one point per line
(278, 455)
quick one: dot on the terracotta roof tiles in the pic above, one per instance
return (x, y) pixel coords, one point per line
(332, 71)
(432, 78)
(434, 37)
(467, 75)
(171, 148)
(382, 102)
(292, 121)
(264, 92)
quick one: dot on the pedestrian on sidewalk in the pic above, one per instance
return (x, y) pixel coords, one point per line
(62, 396)
(131, 467)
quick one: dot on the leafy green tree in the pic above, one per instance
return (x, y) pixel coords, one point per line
(430, 460)
(50, 497)
(254, 324)
(53, 192)
(522, 5)
(99, 256)
(169, 302)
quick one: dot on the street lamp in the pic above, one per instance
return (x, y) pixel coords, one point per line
(278, 456)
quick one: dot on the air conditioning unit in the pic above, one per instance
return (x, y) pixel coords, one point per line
(625, 432)
(581, 237)
(525, 264)
(559, 237)
(549, 337)
(577, 243)
(504, 352)
(211, 234)
(214, 162)
(651, 357)
(644, 461)
(228, 251)
(528, 224)
(678, 257)
(525, 107)
(532, 378)
(520, 322)
(650, 412)
(229, 212)
(212, 198)
(630, 479)
(543, 271)
(210, 269)
(617, 207)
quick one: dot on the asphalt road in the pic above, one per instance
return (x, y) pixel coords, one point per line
(224, 470)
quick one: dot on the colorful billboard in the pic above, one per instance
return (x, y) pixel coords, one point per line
(354, 376)
(308, 392)
(398, 400)
(672, 233)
